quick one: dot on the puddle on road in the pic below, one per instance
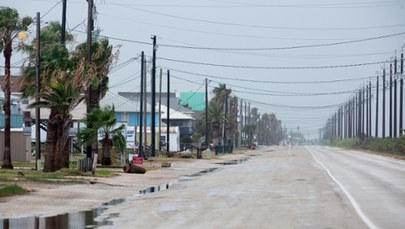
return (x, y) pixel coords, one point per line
(87, 219)
(84, 219)
(192, 176)
(233, 162)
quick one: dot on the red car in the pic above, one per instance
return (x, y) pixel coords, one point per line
(252, 146)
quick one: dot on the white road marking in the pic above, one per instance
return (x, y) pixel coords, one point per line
(363, 216)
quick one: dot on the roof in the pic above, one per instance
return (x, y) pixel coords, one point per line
(174, 114)
(120, 103)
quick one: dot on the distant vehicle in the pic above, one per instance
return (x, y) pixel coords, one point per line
(252, 146)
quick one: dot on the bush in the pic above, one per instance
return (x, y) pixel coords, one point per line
(384, 145)
(11, 190)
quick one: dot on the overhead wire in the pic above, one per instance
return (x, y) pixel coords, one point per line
(256, 26)
(246, 79)
(286, 47)
(271, 67)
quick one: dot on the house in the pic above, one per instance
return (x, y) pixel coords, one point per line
(194, 100)
(179, 115)
(183, 121)
(16, 111)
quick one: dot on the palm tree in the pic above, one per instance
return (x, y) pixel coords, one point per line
(221, 93)
(215, 118)
(61, 98)
(10, 25)
(57, 62)
(105, 120)
(250, 131)
(102, 59)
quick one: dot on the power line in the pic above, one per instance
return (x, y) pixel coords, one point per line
(272, 67)
(240, 5)
(287, 47)
(333, 106)
(246, 79)
(256, 26)
(256, 91)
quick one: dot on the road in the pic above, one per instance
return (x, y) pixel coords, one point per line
(316, 187)
(374, 184)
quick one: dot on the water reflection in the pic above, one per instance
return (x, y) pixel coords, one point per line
(84, 219)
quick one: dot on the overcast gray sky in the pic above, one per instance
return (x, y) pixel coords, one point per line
(258, 48)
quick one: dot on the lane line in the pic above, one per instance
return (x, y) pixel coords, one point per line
(356, 207)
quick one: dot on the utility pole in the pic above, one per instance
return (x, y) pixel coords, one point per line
(63, 26)
(89, 148)
(206, 116)
(366, 101)
(401, 97)
(359, 117)
(168, 114)
(369, 109)
(245, 114)
(240, 123)
(140, 145)
(376, 107)
(153, 103)
(37, 91)
(145, 105)
(395, 97)
(383, 105)
(354, 115)
(391, 101)
(160, 109)
(250, 117)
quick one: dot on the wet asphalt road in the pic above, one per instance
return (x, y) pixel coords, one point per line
(374, 184)
(316, 187)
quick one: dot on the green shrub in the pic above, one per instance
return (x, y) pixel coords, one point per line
(11, 190)
(384, 145)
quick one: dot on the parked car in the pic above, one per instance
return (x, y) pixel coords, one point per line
(252, 146)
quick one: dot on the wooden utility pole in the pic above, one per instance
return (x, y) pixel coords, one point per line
(89, 147)
(240, 123)
(140, 144)
(383, 105)
(395, 98)
(63, 26)
(359, 116)
(401, 98)
(206, 116)
(376, 107)
(153, 103)
(145, 107)
(369, 108)
(168, 113)
(160, 109)
(391, 129)
(37, 91)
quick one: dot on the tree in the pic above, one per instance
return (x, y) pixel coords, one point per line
(61, 98)
(222, 95)
(250, 131)
(58, 63)
(10, 25)
(215, 118)
(103, 119)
